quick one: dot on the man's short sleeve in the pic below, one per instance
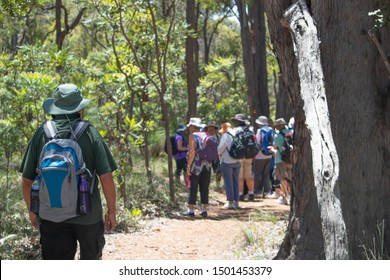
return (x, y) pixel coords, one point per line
(103, 159)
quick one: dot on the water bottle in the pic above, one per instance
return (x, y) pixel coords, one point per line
(84, 198)
(188, 182)
(34, 201)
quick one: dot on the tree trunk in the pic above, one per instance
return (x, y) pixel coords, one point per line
(68, 27)
(59, 34)
(192, 67)
(261, 98)
(325, 164)
(358, 93)
(254, 56)
(283, 104)
(247, 55)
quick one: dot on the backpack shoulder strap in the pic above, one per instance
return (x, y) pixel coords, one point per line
(50, 129)
(79, 129)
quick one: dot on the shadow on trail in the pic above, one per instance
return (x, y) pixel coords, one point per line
(253, 210)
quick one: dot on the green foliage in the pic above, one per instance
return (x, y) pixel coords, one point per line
(381, 16)
(13, 223)
(122, 60)
(16, 8)
(219, 100)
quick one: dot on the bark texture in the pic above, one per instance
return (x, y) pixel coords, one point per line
(358, 97)
(325, 161)
(358, 92)
(192, 63)
(252, 23)
(304, 237)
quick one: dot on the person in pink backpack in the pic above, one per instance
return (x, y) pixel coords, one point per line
(198, 169)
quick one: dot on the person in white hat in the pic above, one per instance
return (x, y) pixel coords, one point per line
(198, 171)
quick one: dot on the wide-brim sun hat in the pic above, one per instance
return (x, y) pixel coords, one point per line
(280, 121)
(262, 120)
(240, 118)
(181, 128)
(195, 122)
(212, 124)
(67, 100)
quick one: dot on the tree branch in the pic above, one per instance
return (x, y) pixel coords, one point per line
(380, 49)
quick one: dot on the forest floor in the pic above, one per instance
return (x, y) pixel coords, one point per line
(254, 231)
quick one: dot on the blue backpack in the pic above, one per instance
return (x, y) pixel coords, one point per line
(60, 165)
(267, 140)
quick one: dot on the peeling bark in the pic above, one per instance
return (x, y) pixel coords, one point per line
(325, 163)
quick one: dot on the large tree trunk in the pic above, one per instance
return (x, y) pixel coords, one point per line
(247, 54)
(261, 98)
(192, 63)
(283, 105)
(358, 90)
(304, 237)
(325, 164)
(252, 25)
(358, 93)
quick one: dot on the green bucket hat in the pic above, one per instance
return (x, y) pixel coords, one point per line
(67, 100)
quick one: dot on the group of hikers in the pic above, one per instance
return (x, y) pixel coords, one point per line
(67, 157)
(253, 162)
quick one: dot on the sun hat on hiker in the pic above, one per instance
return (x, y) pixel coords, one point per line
(280, 121)
(181, 128)
(211, 123)
(195, 122)
(239, 118)
(262, 120)
(67, 100)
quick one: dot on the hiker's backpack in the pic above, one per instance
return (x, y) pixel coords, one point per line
(60, 165)
(267, 140)
(172, 140)
(287, 147)
(244, 144)
(206, 146)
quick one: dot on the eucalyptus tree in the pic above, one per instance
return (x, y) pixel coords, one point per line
(338, 83)
(253, 36)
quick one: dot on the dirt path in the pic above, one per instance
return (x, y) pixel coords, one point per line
(220, 236)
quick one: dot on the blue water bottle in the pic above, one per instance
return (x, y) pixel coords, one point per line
(84, 196)
(34, 197)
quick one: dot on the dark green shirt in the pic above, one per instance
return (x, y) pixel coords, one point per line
(96, 155)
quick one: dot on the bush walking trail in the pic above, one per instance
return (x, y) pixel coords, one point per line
(225, 234)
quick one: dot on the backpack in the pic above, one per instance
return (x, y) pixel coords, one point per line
(172, 140)
(60, 165)
(287, 147)
(244, 144)
(267, 140)
(206, 146)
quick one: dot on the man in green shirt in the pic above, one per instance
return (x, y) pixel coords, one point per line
(59, 240)
(282, 169)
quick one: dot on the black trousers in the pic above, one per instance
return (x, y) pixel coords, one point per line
(59, 240)
(181, 167)
(201, 182)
